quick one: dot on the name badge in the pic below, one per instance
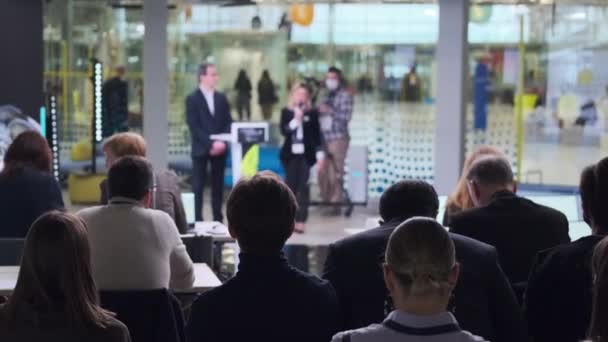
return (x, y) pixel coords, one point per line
(306, 118)
(326, 122)
(297, 148)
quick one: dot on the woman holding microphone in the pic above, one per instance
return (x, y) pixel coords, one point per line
(302, 147)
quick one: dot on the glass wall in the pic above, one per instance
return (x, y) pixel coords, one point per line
(553, 54)
(553, 64)
(376, 46)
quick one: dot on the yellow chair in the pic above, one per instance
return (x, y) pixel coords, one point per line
(83, 188)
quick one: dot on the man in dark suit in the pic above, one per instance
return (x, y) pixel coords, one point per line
(267, 300)
(517, 227)
(482, 302)
(208, 113)
(559, 296)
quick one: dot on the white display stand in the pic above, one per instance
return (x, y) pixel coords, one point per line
(242, 136)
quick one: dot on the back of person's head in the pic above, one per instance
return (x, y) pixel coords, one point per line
(491, 171)
(598, 330)
(487, 176)
(261, 213)
(29, 149)
(594, 194)
(420, 254)
(460, 198)
(125, 144)
(55, 274)
(131, 177)
(408, 198)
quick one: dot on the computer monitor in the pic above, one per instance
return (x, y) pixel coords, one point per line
(567, 204)
(188, 200)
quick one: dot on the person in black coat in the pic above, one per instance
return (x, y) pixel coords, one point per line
(208, 113)
(242, 85)
(28, 189)
(115, 104)
(559, 295)
(267, 96)
(267, 300)
(517, 227)
(483, 302)
(302, 147)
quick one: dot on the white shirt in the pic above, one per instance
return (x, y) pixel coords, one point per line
(135, 248)
(401, 326)
(209, 98)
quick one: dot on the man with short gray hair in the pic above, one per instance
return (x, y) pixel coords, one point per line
(517, 227)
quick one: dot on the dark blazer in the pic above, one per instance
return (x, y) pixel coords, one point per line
(202, 123)
(268, 301)
(24, 196)
(483, 301)
(517, 227)
(312, 135)
(150, 315)
(558, 300)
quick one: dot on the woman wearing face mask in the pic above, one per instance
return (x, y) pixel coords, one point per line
(301, 148)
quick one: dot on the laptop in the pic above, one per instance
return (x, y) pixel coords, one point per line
(188, 201)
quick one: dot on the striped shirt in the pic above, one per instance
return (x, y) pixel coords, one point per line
(401, 326)
(334, 125)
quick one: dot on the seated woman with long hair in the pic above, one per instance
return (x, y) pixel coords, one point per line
(55, 298)
(27, 187)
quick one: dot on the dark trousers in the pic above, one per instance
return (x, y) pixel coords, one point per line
(297, 173)
(243, 107)
(199, 178)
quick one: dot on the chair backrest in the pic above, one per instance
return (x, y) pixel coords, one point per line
(150, 315)
(199, 247)
(10, 251)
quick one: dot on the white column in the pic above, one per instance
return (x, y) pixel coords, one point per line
(452, 60)
(156, 78)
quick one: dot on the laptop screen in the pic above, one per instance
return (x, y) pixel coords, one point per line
(188, 200)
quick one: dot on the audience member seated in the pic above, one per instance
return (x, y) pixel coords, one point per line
(55, 298)
(558, 299)
(483, 301)
(135, 247)
(598, 330)
(267, 300)
(168, 195)
(27, 186)
(460, 199)
(517, 227)
(420, 272)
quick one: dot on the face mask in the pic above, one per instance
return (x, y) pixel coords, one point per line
(331, 84)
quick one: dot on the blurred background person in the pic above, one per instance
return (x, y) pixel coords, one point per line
(267, 96)
(27, 186)
(115, 103)
(243, 95)
(302, 147)
(55, 298)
